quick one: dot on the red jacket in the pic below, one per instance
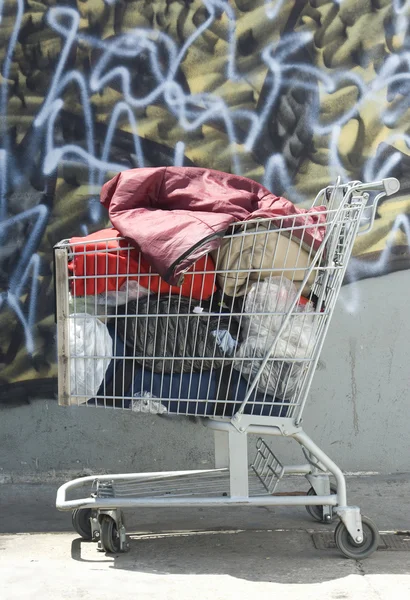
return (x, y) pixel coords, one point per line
(101, 262)
(175, 215)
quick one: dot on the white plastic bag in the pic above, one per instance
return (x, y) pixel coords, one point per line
(225, 341)
(145, 402)
(91, 349)
(275, 296)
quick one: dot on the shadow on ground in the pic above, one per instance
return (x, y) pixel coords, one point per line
(258, 556)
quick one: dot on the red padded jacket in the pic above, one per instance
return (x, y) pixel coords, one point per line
(101, 262)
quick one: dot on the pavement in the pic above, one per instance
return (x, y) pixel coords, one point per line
(233, 553)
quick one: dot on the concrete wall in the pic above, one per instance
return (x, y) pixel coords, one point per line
(288, 93)
(357, 410)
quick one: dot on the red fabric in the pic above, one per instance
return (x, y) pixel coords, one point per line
(91, 258)
(175, 215)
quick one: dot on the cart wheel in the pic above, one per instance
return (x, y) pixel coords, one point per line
(110, 537)
(316, 512)
(81, 522)
(352, 549)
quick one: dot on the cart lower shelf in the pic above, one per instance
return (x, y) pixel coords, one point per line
(213, 484)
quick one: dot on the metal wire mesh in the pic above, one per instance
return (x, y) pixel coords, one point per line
(267, 467)
(210, 484)
(243, 332)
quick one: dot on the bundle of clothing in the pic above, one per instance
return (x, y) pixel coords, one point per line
(197, 304)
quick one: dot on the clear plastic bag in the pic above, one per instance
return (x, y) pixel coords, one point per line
(104, 305)
(275, 296)
(130, 290)
(90, 350)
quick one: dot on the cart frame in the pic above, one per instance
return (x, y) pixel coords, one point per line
(98, 515)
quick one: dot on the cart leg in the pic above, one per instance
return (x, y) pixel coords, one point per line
(238, 464)
(349, 515)
(221, 441)
(330, 466)
(321, 484)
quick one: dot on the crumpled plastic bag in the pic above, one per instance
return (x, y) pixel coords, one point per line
(103, 305)
(130, 290)
(91, 348)
(146, 402)
(279, 378)
(225, 341)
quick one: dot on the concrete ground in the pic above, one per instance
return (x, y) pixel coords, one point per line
(202, 553)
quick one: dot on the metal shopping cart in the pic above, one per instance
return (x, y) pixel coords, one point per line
(240, 362)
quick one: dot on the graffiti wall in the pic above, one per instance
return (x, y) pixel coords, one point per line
(290, 93)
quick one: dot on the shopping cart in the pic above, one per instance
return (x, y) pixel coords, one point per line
(239, 366)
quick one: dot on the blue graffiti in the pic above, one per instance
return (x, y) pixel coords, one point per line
(285, 65)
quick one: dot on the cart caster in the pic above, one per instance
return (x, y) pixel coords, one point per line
(80, 519)
(113, 538)
(109, 536)
(316, 512)
(352, 549)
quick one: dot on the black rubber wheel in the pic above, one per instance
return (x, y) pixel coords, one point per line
(110, 537)
(81, 522)
(352, 549)
(316, 512)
